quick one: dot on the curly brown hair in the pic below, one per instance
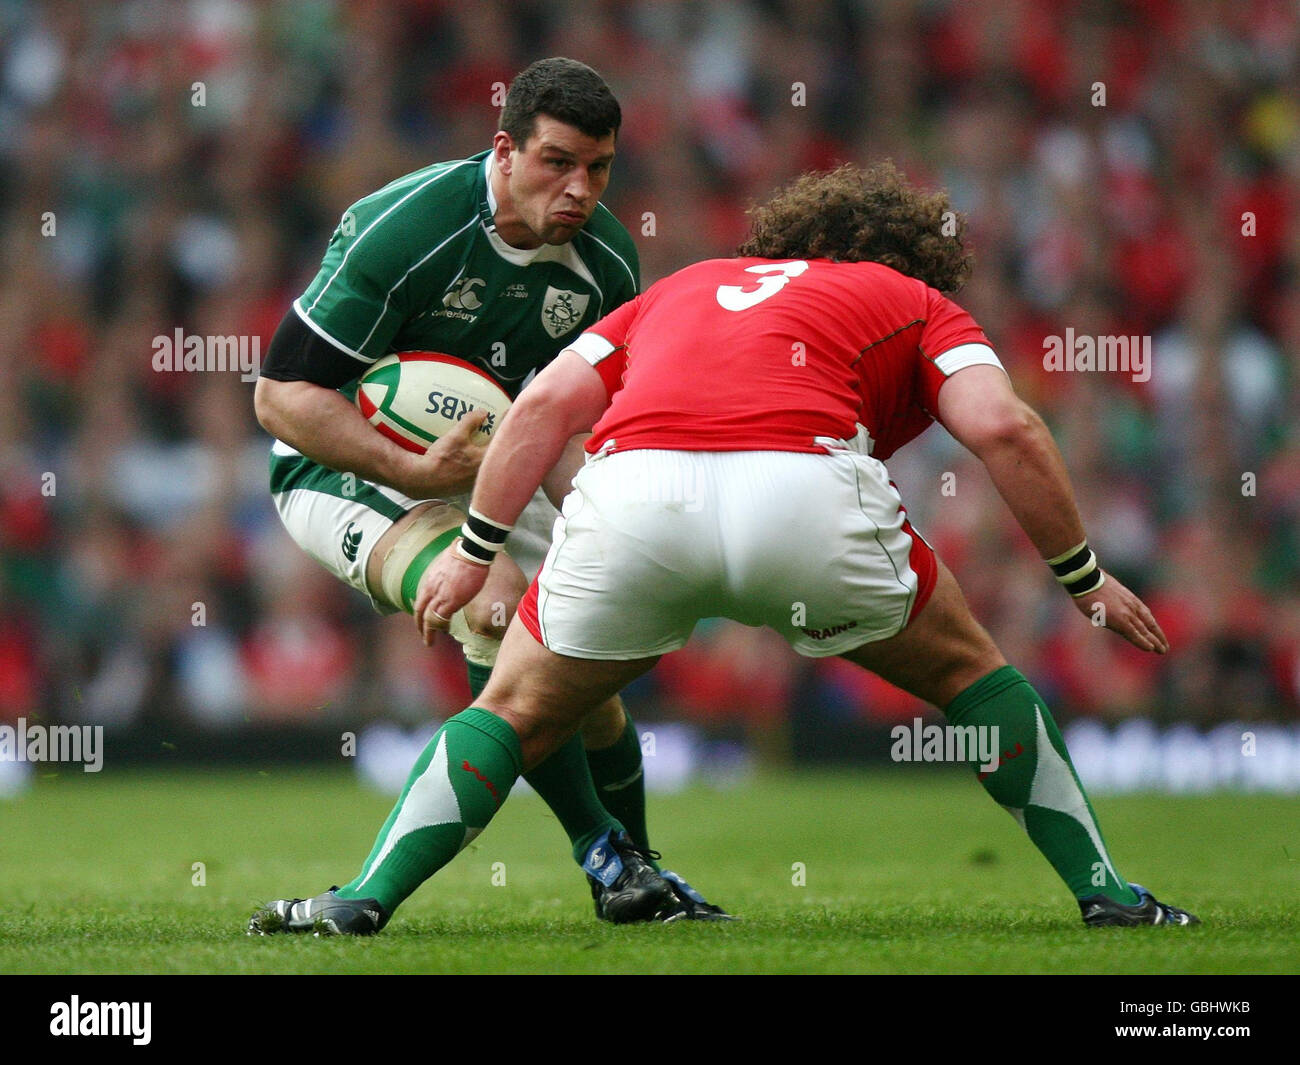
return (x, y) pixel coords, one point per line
(854, 215)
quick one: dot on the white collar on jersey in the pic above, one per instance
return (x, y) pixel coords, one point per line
(563, 253)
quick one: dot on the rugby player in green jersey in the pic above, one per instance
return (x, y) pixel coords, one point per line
(500, 259)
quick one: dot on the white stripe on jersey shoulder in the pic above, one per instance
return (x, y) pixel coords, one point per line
(636, 282)
(593, 347)
(964, 355)
(306, 317)
(384, 309)
(384, 214)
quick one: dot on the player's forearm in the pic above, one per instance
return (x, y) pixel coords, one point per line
(526, 448)
(324, 426)
(1027, 469)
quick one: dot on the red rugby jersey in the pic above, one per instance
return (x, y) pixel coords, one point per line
(766, 355)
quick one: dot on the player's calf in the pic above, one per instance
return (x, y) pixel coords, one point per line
(946, 658)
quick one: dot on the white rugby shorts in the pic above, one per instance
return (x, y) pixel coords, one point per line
(816, 546)
(338, 518)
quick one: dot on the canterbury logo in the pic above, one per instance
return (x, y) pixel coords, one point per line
(479, 776)
(597, 858)
(351, 541)
(461, 295)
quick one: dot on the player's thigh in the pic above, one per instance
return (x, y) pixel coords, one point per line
(545, 696)
(405, 551)
(386, 542)
(407, 548)
(941, 653)
(338, 519)
(380, 541)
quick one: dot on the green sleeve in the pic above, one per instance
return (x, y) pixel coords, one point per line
(358, 298)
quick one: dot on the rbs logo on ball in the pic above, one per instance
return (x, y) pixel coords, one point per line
(454, 408)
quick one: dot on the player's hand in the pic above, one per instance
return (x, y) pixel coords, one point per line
(446, 586)
(1119, 610)
(451, 464)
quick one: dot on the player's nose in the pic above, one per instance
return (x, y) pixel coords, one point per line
(579, 186)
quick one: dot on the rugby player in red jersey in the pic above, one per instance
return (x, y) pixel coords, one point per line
(741, 410)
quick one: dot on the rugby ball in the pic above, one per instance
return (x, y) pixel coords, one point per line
(414, 397)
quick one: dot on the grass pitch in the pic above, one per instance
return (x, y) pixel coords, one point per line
(890, 871)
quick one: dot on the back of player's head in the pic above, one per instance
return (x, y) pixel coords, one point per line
(565, 90)
(854, 215)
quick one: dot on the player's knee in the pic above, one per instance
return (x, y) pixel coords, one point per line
(488, 614)
(490, 619)
(605, 725)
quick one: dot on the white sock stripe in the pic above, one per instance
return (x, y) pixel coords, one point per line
(1057, 790)
(430, 801)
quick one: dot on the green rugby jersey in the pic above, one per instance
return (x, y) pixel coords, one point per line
(418, 266)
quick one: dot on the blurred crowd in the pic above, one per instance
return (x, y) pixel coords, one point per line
(1128, 168)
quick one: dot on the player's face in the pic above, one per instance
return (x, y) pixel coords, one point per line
(552, 183)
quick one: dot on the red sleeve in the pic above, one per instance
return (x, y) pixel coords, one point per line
(613, 329)
(946, 326)
(615, 325)
(611, 371)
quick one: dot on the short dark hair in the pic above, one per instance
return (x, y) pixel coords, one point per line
(872, 215)
(563, 89)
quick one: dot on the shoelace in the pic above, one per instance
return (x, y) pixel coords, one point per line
(623, 846)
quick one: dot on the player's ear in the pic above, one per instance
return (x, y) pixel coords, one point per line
(502, 147)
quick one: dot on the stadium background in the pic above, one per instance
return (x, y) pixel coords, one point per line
(1128, 219)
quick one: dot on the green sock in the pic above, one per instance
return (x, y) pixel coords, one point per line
(1036, 783)
(564, 783)
(458, 783)
(620, 782)
(478, 678)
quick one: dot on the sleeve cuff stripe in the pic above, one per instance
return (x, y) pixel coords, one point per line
(297, 306)
(964, 355)
(593, 347)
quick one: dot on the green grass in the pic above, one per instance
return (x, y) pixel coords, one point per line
(906, 872)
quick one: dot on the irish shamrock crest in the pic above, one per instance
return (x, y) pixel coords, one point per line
(562, 310)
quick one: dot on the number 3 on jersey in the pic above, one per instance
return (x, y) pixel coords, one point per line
(773, 278)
